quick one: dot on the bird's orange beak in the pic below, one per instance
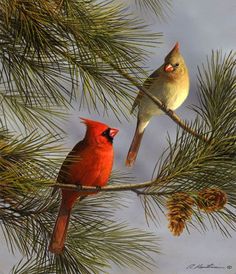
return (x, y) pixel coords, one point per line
(168, 68)
(113, 132)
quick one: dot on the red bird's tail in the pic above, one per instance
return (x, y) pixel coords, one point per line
(60, 230)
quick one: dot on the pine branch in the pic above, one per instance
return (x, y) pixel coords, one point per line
(192, 165)
(26, 162)
(50, 50)
(32, 61)
(173, 116)
(18, 114)
(153, 193)
(158, 7)
(217, 93)
(92, 222)
(112, 188)
(166, 110)
(189, 164)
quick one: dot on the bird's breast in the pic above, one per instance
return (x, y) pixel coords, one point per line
(93, 168)
(171, 93)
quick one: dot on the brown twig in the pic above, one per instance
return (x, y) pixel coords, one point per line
(173, 115)
(153, 193)
(119, 187)
(166, 110)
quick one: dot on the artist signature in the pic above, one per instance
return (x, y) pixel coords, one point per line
(207, 266)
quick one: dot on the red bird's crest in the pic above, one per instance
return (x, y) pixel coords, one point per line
(90, 123)
(97, 130)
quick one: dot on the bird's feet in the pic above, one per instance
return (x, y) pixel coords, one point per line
(98, 188)
(170, 111)
(79, 187)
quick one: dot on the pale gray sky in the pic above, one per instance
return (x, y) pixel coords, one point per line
(199, 26)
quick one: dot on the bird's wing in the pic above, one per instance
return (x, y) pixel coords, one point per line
(62, 175)
(71, 157)
(147, 83)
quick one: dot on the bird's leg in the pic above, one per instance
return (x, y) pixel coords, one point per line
(170, 111)
(81, 198)
(98, 188)
(79, 187)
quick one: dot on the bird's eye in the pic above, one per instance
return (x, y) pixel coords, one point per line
(106, 132)
(107, 135)
(177, 64)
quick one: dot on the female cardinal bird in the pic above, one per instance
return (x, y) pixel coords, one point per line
(88, 164)
(170, 84)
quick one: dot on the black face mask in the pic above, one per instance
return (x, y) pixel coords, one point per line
(107, 134)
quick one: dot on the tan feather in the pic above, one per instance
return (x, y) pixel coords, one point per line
(147, 83)
(170, 84)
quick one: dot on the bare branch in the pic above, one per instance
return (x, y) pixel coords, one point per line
(173, 115)
(119, 187)
(153, 193)
(166, 110)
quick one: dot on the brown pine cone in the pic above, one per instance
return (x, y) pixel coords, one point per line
(211, 199)
(180, 210)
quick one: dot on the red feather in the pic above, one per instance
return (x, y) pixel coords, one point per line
(88, 164)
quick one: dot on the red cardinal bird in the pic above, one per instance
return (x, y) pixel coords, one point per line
(88, 164)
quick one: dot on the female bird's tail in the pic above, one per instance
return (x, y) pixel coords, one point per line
(134, 147)
(60, 230)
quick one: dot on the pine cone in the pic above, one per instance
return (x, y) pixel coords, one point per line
(180, 210)
(211, 199)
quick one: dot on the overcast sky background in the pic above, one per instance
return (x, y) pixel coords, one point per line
(199, 26)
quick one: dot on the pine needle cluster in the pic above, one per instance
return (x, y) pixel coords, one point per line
(190, 165)
(54, 52)
(159, 7)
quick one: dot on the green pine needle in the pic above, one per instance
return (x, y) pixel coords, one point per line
(189, 164)
(55, 52)
(159, 7)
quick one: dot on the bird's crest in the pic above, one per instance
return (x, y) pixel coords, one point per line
(87, 122)
(175, 48)
(173, 52)
(93, 124)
